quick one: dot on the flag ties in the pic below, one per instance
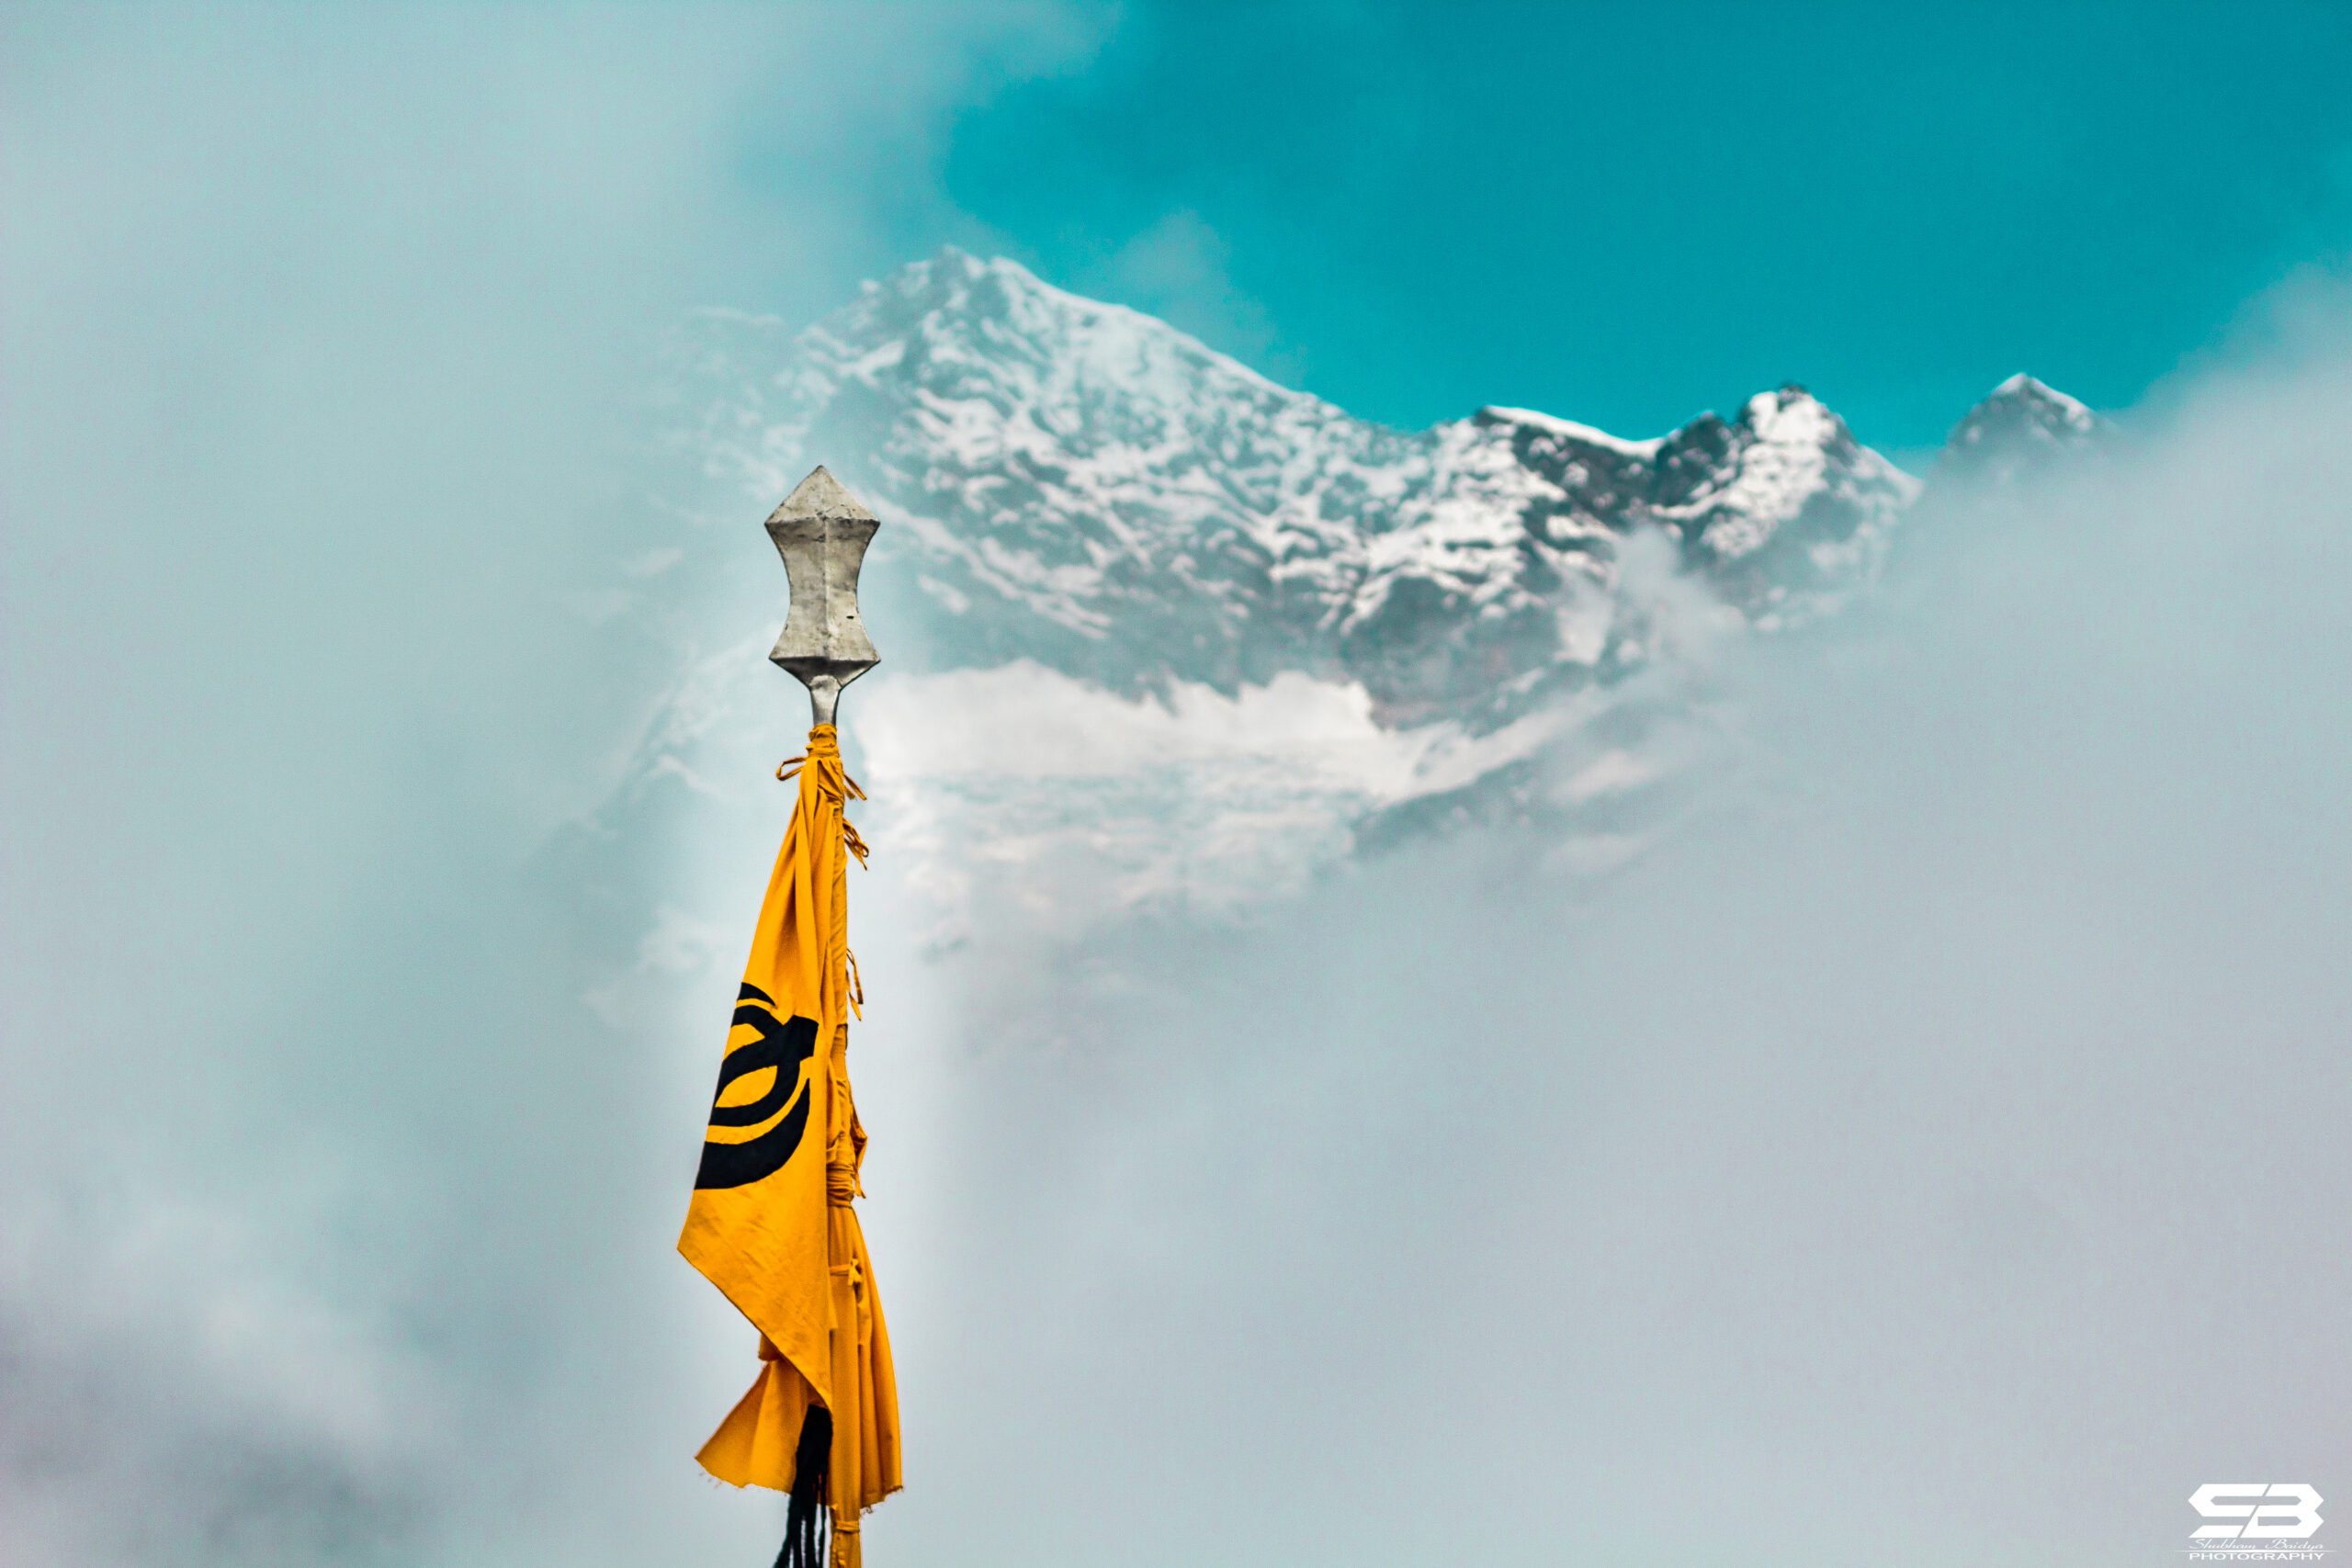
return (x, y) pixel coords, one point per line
(844, 793)
(839, 1531)
(828, 770)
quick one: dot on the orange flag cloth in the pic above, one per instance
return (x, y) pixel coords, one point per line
(771, 1222)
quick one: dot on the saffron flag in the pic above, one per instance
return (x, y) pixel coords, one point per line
(771, 1222)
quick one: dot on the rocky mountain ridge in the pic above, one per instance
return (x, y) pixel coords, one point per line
(1082, 484)
(1150, 612)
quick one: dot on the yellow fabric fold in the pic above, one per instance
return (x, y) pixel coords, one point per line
(770, 1223)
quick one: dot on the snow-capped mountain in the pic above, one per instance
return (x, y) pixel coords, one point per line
(1146, 611)
(2023, 425)
(1086, 486)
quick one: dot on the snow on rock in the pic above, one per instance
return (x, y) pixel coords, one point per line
(2021, 425)
(1154, 617)
(1086, 486)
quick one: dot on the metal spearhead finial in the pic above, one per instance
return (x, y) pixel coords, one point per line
(821, 532)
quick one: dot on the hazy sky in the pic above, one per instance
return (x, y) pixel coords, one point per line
(1951, 1109)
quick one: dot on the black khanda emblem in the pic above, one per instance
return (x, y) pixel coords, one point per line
(782, 1045)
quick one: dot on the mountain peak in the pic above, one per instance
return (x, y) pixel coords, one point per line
(1086, 486)
(2023, 391)
(2022, 424)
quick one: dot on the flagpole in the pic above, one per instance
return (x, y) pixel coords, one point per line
(821, 532)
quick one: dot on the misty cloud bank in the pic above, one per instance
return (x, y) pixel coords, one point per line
(1924, 1147)
(1942, 1117)
(1943, 1113)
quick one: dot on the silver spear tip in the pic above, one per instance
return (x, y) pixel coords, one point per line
(821, 495)
(821, 532)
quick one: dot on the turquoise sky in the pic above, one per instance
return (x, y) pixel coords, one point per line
(1625, 213)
